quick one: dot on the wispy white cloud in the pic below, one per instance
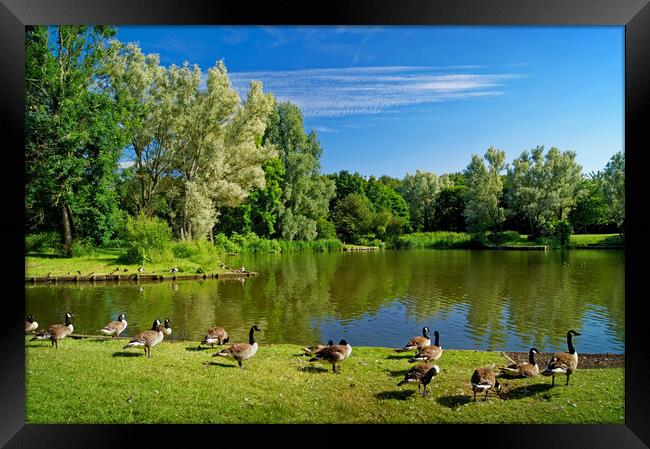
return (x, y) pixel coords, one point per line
(125, 164)
(371, 90)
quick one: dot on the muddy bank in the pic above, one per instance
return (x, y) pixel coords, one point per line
(585, 361)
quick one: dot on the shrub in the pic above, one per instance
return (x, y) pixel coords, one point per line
(82, 247)
(45, 241)
(148, 240)
(499, 238)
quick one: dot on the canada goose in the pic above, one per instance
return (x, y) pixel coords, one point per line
(417, 342)
(422, 373)
(49, 274)
(429, 353)
(216, 335)
(174, 270)
(125, 270)
(56, 332)
(79, 272)
(241, 351)
(140, 269)
(333, 354)
(30, 324)
(166, 329)
(563, 362)
(115, 328)
(523, 369)
(147, 339)
(483, 379)
(311, 350)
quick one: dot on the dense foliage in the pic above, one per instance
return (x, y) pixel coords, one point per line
(121, 150)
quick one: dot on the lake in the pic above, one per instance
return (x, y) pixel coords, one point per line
(476, 299)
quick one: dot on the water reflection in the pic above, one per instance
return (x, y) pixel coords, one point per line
(499, 300)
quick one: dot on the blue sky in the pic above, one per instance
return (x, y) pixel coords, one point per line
(390, 100)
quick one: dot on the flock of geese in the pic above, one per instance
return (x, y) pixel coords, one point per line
(483, 379)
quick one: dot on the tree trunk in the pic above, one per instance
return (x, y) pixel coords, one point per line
(67, 231)
(212, 235)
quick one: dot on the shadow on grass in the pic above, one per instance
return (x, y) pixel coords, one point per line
(397, 373)
(44, 255)
(200, 348)
(38, 345)
(313, 369)
(454, 401)
(401, 357)
(128, 354)
(400, 395)
(224, 365)
(525, 391)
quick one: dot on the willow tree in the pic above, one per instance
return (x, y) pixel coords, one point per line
(544, 187)
(420, 191)
(148, 93)
(484, 190)
(217, 144)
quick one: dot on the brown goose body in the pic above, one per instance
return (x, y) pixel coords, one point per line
(216, 335)
(563, 362)
(30, 324)
(417, 343)
(483, 379)
(115, 328)
(333, 354)
(311, 350)
(429, 353)
(422, 373)
(523, 369)
(241, 351)
(56, 332)
(147, 339)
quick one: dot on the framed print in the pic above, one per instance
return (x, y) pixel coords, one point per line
(365, 213)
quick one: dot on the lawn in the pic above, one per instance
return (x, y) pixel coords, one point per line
(104, 261)
(96, 381)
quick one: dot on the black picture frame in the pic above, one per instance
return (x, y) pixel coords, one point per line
(633, 14)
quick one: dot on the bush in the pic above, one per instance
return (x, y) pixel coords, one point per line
(440, 239)
(148, 240)
(499, 238)
(44, 242)
(82, 247)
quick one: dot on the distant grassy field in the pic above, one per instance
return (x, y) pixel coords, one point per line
(604, 240)
(104, 261)
(91, 381)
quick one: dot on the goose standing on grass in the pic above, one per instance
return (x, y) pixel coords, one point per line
(311, 350)
(429, 353)
(147, 339)
(523, 369)
(483, 379)
(30, 324)
(422, 373)
(56, 332)
(166, 329)
(115, 328)
(417, 342)
(241, 351)
(216, 335)
(563, 362)
(333, 354)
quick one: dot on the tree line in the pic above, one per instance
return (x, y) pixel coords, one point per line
(203, 161)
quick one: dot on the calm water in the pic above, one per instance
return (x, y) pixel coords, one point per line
(498, 300)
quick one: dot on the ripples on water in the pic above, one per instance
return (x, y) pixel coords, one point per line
(498, 300)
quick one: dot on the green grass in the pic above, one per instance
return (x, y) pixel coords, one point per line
(599, 240)
(434, 240)
(89, 381)
(104, 261)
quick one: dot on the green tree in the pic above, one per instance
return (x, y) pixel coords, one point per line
(353, 217)
(420, 191)
(590, 213)
(613, 184)
(73, 133)
(484, 190)
(544, 187)
(306, 193)
(449, 208)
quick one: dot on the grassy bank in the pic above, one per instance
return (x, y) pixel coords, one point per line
(435, 240)
(89, 381)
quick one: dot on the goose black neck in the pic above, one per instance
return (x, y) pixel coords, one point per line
(531, 357)
(67, 320)
(251, 336)
(437, 339)
(424, 332)
(569, 337)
